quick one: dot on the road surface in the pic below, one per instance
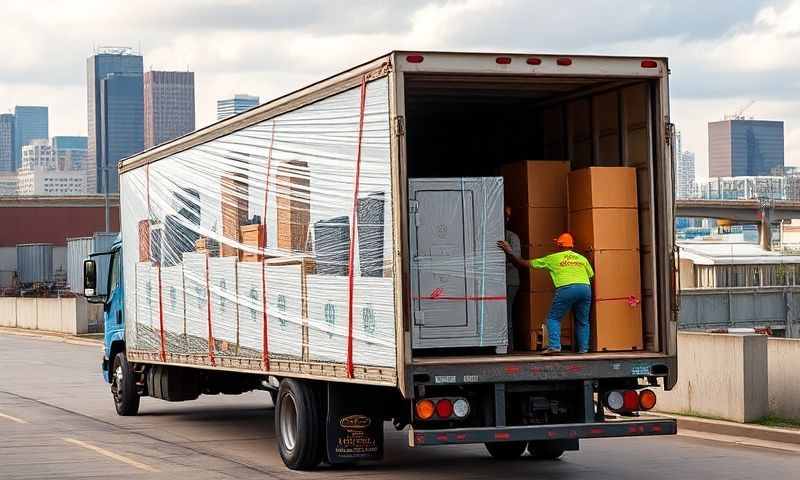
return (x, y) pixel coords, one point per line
(57, 420)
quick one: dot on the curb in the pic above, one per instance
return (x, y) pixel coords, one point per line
(53, 336)
(722, 427)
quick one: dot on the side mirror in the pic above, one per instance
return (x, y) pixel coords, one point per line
(90, 281)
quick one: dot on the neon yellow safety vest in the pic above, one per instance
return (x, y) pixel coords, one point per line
(566, 268)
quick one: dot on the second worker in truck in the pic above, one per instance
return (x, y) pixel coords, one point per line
(571, 274)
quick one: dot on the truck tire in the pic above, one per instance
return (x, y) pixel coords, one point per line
(123, 386)
(545, 449)
(505, 450)
(299, 421)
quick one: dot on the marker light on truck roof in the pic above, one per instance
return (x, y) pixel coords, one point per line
(461, 408)
(414, 58)
(649, 64)
(503, 60)
(534, 61)
(647, 399)
(564, 62)
(425, 409)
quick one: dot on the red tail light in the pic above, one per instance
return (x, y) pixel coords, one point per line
(444, 408)
(503, 60)
(649, 64)
(414, 58)
(534, 61)
(630, 401)
(564, 62)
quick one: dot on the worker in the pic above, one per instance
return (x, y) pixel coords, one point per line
(512, 277)
(571, 274)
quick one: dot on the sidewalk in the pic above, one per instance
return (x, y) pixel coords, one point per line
(90, 339)
(739, 433)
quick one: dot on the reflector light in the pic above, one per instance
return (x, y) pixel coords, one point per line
(444, 408)
(564, 61)
(425, 409)
(503, 60)
(630, 402)
(615, 400)
(647, 399)
(534, 61)
(649, 64)
(414, 58)
(461, 408)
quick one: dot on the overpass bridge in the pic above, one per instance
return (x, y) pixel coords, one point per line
(761, 212)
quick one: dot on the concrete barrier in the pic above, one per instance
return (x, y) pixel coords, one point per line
(784, 377)
(64, 315)
(721, 376)
(8, 312)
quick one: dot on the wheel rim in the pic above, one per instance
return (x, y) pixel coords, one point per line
(117, 384)
(288, 421)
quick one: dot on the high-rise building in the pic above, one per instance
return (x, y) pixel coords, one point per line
(30, 123)
(686, 175)
(168, 106)
(7, 152)
(70, 153)
(744, 147)
(228, 107)
(38, 155)
(115, 102)
(8, 184)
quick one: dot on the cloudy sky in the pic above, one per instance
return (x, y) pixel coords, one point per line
(723, 53)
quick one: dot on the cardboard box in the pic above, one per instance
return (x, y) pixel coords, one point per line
(234, 200)
(616, 325)
(538, 226)
(144, 240)
(253, 237)
(536, 279)
(605, 229)
(530, 314)
(617, 274)
(536, 183)
(293, 195)
(602, 187)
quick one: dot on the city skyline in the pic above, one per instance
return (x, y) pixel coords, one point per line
(271, 52)
(169, 106)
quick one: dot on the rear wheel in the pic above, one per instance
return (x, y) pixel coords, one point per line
(545, 449)
(123, 386)
(505, 450)
(298, 424)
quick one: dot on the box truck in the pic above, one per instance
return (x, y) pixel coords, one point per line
(335, 247)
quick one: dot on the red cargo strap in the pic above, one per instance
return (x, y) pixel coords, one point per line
(354, 230)
(475, 299)
(263, 248)
(211, 346)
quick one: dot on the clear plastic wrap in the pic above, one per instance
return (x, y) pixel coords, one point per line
(271, 243)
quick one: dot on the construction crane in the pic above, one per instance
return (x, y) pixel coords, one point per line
(739, 114)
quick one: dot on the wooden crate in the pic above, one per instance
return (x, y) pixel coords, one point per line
(234, 211)
(253, 237)
(293, 194)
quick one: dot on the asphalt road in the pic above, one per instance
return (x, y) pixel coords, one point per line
(57, 420)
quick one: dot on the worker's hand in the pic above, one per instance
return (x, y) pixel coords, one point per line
(504, 246)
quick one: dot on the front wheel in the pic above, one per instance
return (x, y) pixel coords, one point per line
(505, 450)
(123, 386)
(545, 449)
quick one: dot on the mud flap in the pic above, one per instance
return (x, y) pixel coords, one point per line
(354, 426)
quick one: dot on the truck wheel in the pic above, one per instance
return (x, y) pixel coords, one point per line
(123, 386)
(505, 450)
(545, 449)
(298, 425)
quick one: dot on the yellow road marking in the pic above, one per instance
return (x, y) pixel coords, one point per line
(113, 455)
(13, 419)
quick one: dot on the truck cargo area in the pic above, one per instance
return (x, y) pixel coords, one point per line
(474, 125)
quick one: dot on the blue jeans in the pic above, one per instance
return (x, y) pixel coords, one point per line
(578, 298)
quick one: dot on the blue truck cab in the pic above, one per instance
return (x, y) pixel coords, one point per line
(113, 306)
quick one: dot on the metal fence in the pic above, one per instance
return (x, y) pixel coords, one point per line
(775, 307)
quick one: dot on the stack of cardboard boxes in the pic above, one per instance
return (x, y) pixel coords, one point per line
(536, 191)
(603, 219)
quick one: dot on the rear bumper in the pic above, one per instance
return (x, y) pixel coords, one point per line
(627, 428)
